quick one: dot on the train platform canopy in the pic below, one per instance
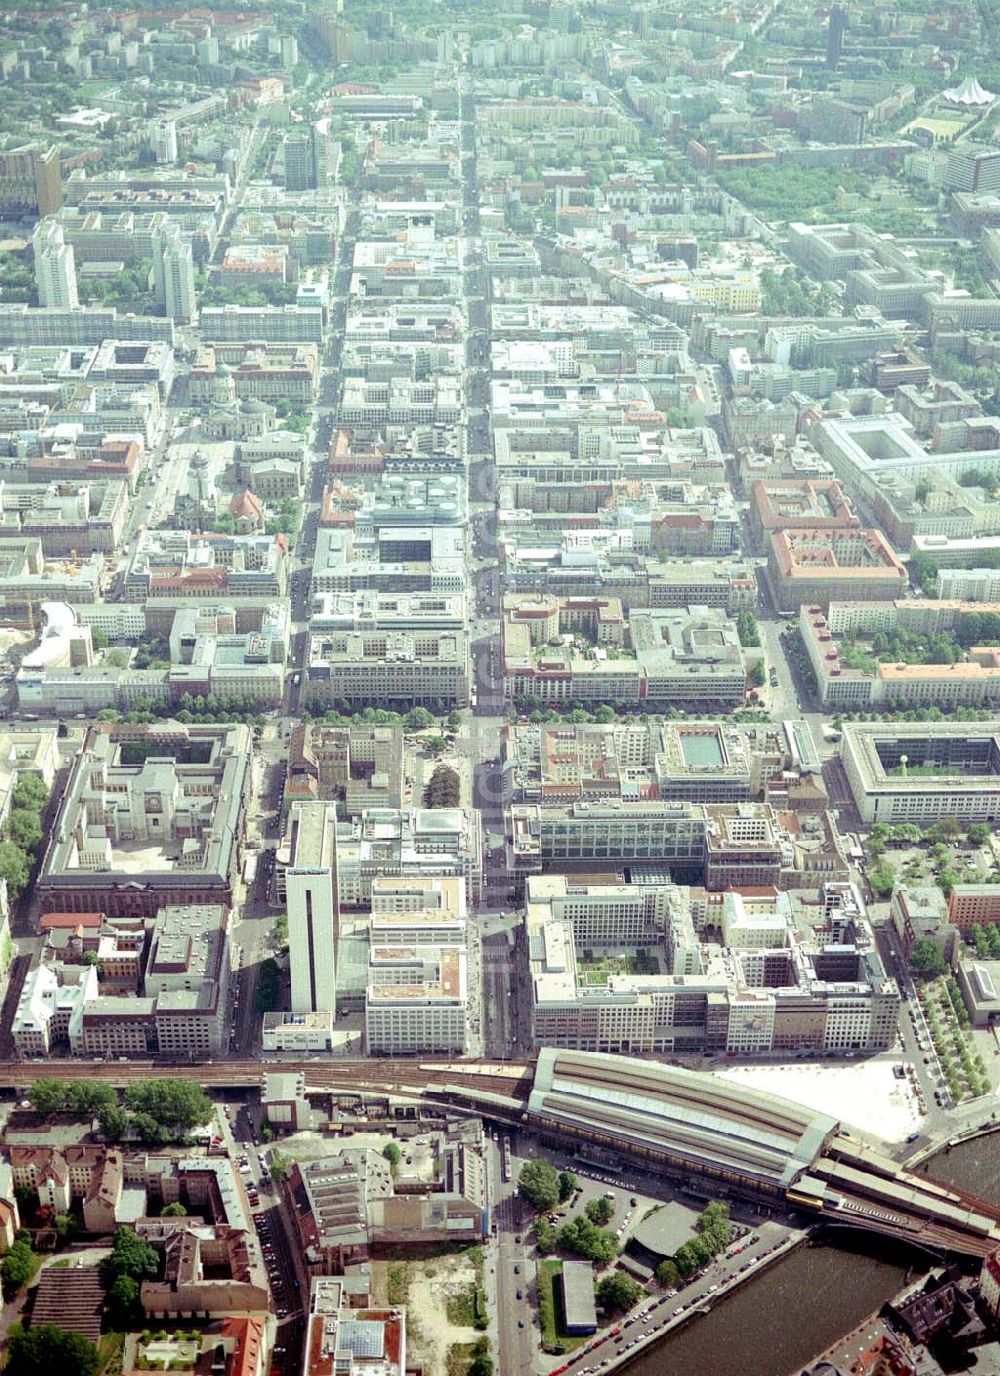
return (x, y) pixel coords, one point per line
(701, 1122)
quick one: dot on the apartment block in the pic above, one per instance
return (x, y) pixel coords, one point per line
(427, 669)
(361, 766)
(848, 677)
(416, 998)
(582, 649)
(808, 566)
(972, 905)
(153, 988)
(178, 564)
(777, 504)
(693, 761)
(336, 1326)
(408, 843)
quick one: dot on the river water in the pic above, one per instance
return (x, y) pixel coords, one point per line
(773, 1325)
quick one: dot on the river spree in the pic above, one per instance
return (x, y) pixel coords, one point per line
(972, 1165)
(773, 1325)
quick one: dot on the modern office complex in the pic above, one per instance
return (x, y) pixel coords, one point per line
(409, 843)
(923, 771)
(623, 969)
(719, 845)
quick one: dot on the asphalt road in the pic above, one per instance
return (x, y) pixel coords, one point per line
(508, 1274)
(499, 985)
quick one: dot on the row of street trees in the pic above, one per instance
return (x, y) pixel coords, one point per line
(155, 1112)
(22, 833)
(713, 1233)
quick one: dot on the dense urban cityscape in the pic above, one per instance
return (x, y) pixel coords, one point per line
(500, 688)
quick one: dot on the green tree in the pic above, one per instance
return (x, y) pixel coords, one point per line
(538, 1185)
(747, 629)
(667, 1274)
(481, 1365)
(568, 1186)
(944, 832)
(123, 1303)
(66, 1228)
(418, 719)
(882, 878)
(979, 833)
(926, 960)
(947, 878)
(691, 1256)
(30, 791)
(545, 1236)
(24, 828)
(714, 1214)
(114, 1123)
(617, 1292)
(18, 1267)
(47, 1096)
(90, 1097)
(443, 788)
(923, 572)
(14, 867)
(588, 1241)
(599, 1211)
(44, 1349)
(177, 1105)
(757, 675)
(392, 1154)
(713, 1226)
(279, 1167)
(175, 1210)
(131, 1256)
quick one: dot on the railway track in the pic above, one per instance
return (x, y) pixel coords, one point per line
(386, 1076)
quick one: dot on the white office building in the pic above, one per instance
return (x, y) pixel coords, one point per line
(173, 274)
(416, 1001)
(417, 994)
(55, 267)
(312, 906)
(165, 141)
